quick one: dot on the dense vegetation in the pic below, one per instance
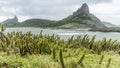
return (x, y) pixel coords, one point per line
(45, 51)
(106, 29)
(31, 23)
(80, 20)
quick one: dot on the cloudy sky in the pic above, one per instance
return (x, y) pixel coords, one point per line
(106, 10)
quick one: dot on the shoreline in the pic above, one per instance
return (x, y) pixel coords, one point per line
(78, 29)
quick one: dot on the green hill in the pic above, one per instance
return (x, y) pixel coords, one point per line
(34, 23)
(82, 18)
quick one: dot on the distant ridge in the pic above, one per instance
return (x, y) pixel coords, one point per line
(35, 23)
(107, 24)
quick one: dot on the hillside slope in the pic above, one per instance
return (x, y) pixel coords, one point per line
(34, 23)
(107, 24)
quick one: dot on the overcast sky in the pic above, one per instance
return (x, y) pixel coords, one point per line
(105, 10)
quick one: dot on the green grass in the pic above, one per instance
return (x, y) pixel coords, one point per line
(72, 25)
(46, 61)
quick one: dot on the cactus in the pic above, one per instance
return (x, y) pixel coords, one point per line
(46, 44)
(28, 49)
(83, 39)
(54, 54)
(91, 42)
(109, 62)
(61, 59)
(81, 59)
(101, 59)
(2, 28)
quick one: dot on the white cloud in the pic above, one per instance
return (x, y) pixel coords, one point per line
(107, 11)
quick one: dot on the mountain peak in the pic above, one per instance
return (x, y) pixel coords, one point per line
(15, 18)
(83, 9)
(11, 21)
(83, 18)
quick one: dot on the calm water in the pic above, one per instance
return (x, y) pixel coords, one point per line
(65, 34)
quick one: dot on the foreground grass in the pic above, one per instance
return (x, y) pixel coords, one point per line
(19, 50)
(46, 61)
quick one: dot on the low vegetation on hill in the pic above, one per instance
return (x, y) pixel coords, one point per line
(106, 29)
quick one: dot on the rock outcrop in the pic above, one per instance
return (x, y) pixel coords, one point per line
(84, 9)
(11, 21)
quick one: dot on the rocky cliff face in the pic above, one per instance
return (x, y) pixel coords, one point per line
(11, 21)
(83, 10)
(15, 19)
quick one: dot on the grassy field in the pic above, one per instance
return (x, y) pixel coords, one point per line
(18, 50)
(110, 60)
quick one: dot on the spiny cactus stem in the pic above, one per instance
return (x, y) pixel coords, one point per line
(61, 58)
(54, 54)
(81, 59)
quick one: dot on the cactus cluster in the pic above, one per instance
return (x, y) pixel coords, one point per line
(31, 44)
